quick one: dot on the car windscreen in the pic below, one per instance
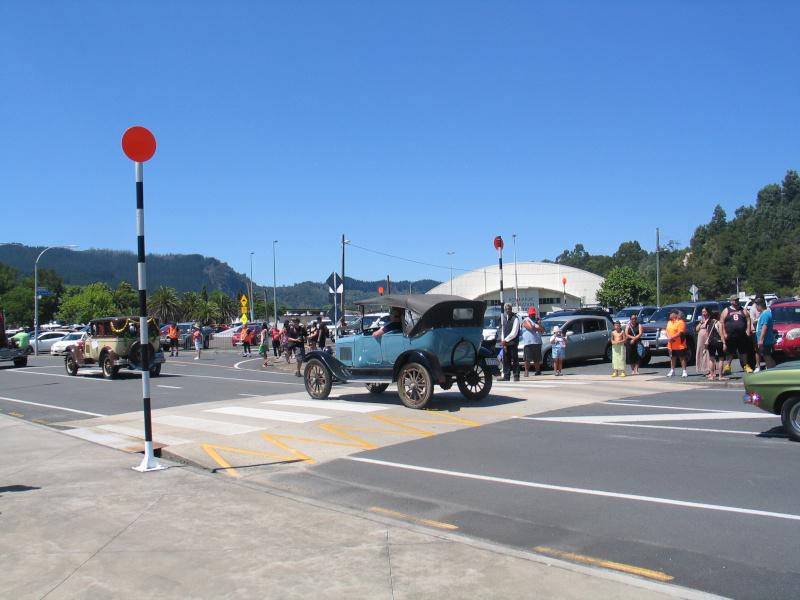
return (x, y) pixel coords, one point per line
(785, 315)
(626, 313)
(662, 314)
(73, 336)
(374, 321)
(491, 322)
(550, 323)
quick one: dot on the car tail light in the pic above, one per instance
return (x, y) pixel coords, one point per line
(753, 399)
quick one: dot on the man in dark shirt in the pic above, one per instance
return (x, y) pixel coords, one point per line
(395, 322)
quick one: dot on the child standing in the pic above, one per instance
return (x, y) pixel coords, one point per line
(618, 350)
(558, 343)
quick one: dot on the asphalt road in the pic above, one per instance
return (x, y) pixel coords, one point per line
(693, 486)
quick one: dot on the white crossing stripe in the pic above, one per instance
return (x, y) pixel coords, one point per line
(219, 427)
(611, 419)
(139, 434)
(272, 415)
(358, 407)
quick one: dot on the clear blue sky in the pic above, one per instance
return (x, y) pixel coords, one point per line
(414, 128)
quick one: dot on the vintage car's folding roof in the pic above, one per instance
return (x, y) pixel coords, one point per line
(435, 310)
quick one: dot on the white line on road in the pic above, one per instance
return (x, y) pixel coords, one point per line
(88, 372)
(81, 412)
(219, 427)
(706, 410)
(172, 387)
(573, 490)
(358, 407)
(272, 415)
(246, 380)
(611, 419)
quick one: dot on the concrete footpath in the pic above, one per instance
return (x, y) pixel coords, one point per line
(77, 522)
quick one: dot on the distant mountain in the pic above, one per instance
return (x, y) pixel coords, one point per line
(185, 273)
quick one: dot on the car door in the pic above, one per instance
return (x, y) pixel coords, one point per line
(393, 344)
(576, 341)
(597, 335)
(367, 351)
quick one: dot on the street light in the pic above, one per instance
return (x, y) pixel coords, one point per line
(450, 254)
(274, 284)
(36, 296)
(344, 242)
(252, 319)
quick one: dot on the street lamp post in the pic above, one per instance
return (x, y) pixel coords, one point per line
(274, 284)
(252, 318)
(450, 254)
(36, 297)
(344, 242)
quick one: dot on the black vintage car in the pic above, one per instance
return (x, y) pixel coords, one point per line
(439, 343)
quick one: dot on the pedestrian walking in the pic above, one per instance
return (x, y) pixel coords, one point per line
(633, 335)
(197, 338)
(676, 342)
(701, 353)
(618, 350)
(244, 336)
(263, 345)
(312, 336)
(766, 335)
(716, 351)
(322, 334)
(558, 345)
(297, 338)
(275, 332)
(736, 329)
(532, 330)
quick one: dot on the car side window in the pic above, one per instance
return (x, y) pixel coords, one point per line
(575, 327)
(591, 325)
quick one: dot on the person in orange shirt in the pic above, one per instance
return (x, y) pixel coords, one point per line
(174, 334)
(676, 342)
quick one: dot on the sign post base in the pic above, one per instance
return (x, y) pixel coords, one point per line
(149, 463)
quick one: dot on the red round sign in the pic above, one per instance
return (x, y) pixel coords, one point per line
(564, 281)
(498, 243)
(138, 144)
(380, 290)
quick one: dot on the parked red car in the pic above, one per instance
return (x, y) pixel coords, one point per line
(786, 322)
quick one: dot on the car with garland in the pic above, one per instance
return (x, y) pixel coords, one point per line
(113, 343)
(777, 391)
(439, 344)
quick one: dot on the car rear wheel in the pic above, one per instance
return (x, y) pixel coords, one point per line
(70, 365)
(317, 379)
(109, 370)
(548, 360)
(476, 383)
(21, 362)
(608, 355)
(790, 417)
(376, 388)
(155, 370)
(415, 385)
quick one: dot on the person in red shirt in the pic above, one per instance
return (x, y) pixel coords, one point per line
(676, 342)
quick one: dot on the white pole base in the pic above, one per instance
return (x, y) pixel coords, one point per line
(149, 463)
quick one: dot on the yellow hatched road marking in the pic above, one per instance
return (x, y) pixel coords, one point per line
(599, 562)
(211, 449)
(405, 517)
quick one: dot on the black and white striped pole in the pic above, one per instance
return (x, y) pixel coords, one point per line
(139, 145)
(498, 245)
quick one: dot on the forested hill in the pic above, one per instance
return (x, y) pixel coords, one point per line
(758, 250)
(183, 272)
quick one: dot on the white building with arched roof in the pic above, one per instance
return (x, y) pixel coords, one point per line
(540, 285)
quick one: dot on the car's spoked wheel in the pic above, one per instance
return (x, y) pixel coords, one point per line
(317, 379)
(109, 370)
(376, 388)
(477, 383)
(415, 385)
(790, 417)
(71, 365)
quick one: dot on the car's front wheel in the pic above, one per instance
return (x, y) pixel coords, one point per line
(790, 417)
(547, 360)
(109, 370)
(70, 365)
(608, 355)
(376, 388)
(155, 370)
(317, 379)
(476, 383)
(21, 362)
(415, 385)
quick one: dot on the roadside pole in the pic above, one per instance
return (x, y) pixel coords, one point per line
(139, 145)
(498, 245)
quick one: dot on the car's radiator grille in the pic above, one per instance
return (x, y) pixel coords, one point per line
(345, 353)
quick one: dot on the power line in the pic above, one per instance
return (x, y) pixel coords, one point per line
(407, 259)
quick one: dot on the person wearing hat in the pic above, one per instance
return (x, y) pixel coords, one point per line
(197, 338)
(395, 322)
(558, 343)
(296, 335)
(736, 330)
(532, 330)
(676, 342)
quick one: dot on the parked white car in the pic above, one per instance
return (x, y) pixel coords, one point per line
(60, 347)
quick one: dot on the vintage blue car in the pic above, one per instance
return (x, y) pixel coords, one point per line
(437, 342)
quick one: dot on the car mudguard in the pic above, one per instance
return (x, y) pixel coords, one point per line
(423, 357)
(77, 354)
(334, 365)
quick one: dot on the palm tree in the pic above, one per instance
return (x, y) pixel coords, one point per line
(189, 304)
(227, 306)
(207, 312)
(164, 304)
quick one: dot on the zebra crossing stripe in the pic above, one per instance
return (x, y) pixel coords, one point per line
(271, 415)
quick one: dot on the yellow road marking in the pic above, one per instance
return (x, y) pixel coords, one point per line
(40, 421)
(599, 562)
(211, 449)
(16, 415)
(405, 517)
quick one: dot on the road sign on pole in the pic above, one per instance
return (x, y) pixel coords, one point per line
(693, 291)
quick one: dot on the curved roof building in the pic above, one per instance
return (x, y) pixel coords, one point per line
(540, 285)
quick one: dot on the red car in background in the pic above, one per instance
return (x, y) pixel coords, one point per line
(786, 322)
(252, 336)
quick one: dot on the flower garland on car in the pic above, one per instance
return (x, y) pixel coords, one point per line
(150, 321)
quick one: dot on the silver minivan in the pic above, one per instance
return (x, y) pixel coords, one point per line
(587, 337)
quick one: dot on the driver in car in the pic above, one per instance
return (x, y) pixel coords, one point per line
(395, 322)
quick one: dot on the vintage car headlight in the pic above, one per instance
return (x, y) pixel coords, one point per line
(793, 334)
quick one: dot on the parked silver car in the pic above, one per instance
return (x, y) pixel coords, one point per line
(587, 337)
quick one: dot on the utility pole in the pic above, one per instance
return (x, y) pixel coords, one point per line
(658, 271)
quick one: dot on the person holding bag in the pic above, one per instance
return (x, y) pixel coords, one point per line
(633, 333)
(714, 346)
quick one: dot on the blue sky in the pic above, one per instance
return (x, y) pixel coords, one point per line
(414, 128)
